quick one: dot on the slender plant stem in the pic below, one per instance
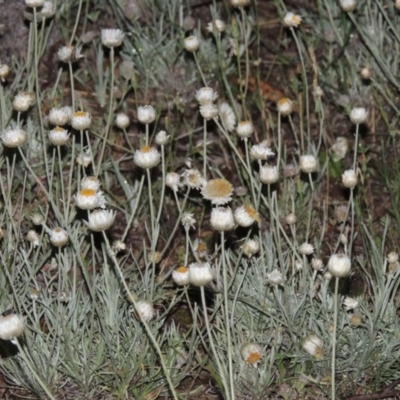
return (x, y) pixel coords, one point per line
(227, 319)
(110, 109)
(204, 148)
(356, 148)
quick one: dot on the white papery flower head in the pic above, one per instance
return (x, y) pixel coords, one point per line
(58, 237)
(251, 353)
(58, 136)
(206, 95)
(393, 257)
(261, 151)
(339, 265)
(191, 43)
(90, 182)
(314, 345)
(100, 220)
(33, 237)
(146, 157)
(306, 249)
(348, 5)
(227, 116)
(222, 219)
(308, 163)
(144, 310)
(251, 247)
(4, 71)
(218, 191)
(269, 174)
(173, 180)
(292, 20)
(122, 120)
(350, 179)
(47, 10)
(59, 116)
(146, 114)
(162, 138)
(69, 53)
(275, 277)
(350, 303)
(200, 274)
(187, 220)
(291, 219)
(285, 106)
(112, 37)
(245, 129)
(34, 3)
(340, 148)
(246, 216)
(209, 111)
(23, 101)
(193, 179)
(81, 120)
(14, 137)
(89, 199)
(358, 115)
(181, 276)
(240, 3)
(84, 159)
(216, 25)
(12, 325)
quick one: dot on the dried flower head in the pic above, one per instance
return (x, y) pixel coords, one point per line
(209, 111)
(200, 248)
(187, 220)
(306, 249)
(146, 157)
(112, 37)
(23, 101)
(191, 44)
(89, 199)
(34, 3)
(350, 303)
(339, 265)
(162, 138)
(69, 54)
(251, 247)
(90, 182)
(216, 25)
(58, 237)
(275, 277)
(269, 174)
(393, 257)
(251, 352)
(144, 310)
(261, 151)
(193, 179)
(246, 216)
(12, 325)
(173, 180)
(200, 274)
(13, 137)
(285, 106)
(314, 345)
(308, 163)
(358, 115)
(84, 159)
(292, 20)
(218, 191)
(245, 129)
(349, 178)
(222, 219)
(58, 136)
(340, 148)
(59, 116)
(146, 114)
(347, 5)
(240, 3)
(33, 238)
(81, 120)
(100, 220)
(181, 276)
(206, 95)
(290, 219)
(4, 71)
(122, 120)
(317, 264)
(227, 116)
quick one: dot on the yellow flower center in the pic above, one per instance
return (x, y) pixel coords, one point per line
(284, 101)
(253, 357)
(80, 114)
(296, 19)
(182, 269)
(202, 248)
(145, 149)
(218, 188)
(87, 192)
(252, 213)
